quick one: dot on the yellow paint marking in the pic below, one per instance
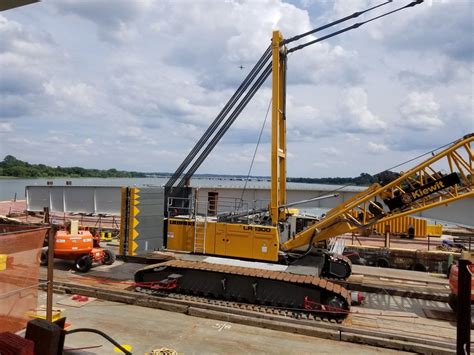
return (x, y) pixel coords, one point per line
(125, 346)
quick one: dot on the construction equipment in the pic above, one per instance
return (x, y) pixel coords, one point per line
(277, 233)
(418, 189)
(80, 246)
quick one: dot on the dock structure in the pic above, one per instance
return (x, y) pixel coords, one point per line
(237, 265)
(403, 310)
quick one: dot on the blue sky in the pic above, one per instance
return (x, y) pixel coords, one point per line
(132, 85)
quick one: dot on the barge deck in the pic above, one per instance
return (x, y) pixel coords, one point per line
(394, 315)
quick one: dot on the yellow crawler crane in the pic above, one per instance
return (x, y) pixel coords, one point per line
(420, 188)
(276, 234)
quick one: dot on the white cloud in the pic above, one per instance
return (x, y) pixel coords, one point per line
(148, 77)
(420, 111)
(356, 115)
(376, 148)
(131, 132)
(331, 151)
(26, 58)
(5, 127)
(15, 38)
(319, 164)
(80, 97)
(450, 25)
(116, 22)
(466, 102)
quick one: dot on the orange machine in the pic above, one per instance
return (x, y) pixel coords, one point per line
(80, 246)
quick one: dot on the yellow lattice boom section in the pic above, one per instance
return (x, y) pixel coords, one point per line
(445, 177)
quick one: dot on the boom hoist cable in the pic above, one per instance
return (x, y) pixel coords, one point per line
(254, 155)
(251, 76)
(251, 92)
(431, 152)
(265, 57)
(354, 15)
(354, 26)
(211, 129)
(263, 77)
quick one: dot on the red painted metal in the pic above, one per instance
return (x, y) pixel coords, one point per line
(453, 279)
(166, 284)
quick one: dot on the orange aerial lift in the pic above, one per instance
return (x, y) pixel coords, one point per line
(80, 246)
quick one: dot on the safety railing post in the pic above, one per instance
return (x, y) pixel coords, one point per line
(463, 332)
(50, 274)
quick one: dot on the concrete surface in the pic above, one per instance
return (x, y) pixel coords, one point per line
(146, 329)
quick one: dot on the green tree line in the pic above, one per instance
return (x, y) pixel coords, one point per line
(13, 167)
(363, 179)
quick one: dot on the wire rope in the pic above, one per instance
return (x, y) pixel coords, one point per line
(246, 83)
(354, 15)
(255, 153)
(354, 26)
(401, 164)
(218, 120)
(227, 124)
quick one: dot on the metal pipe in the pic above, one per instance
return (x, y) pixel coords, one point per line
(225, 216)
(309, 200)
(50, 275)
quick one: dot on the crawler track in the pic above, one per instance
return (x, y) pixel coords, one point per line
(214, 304)
(249, 286)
